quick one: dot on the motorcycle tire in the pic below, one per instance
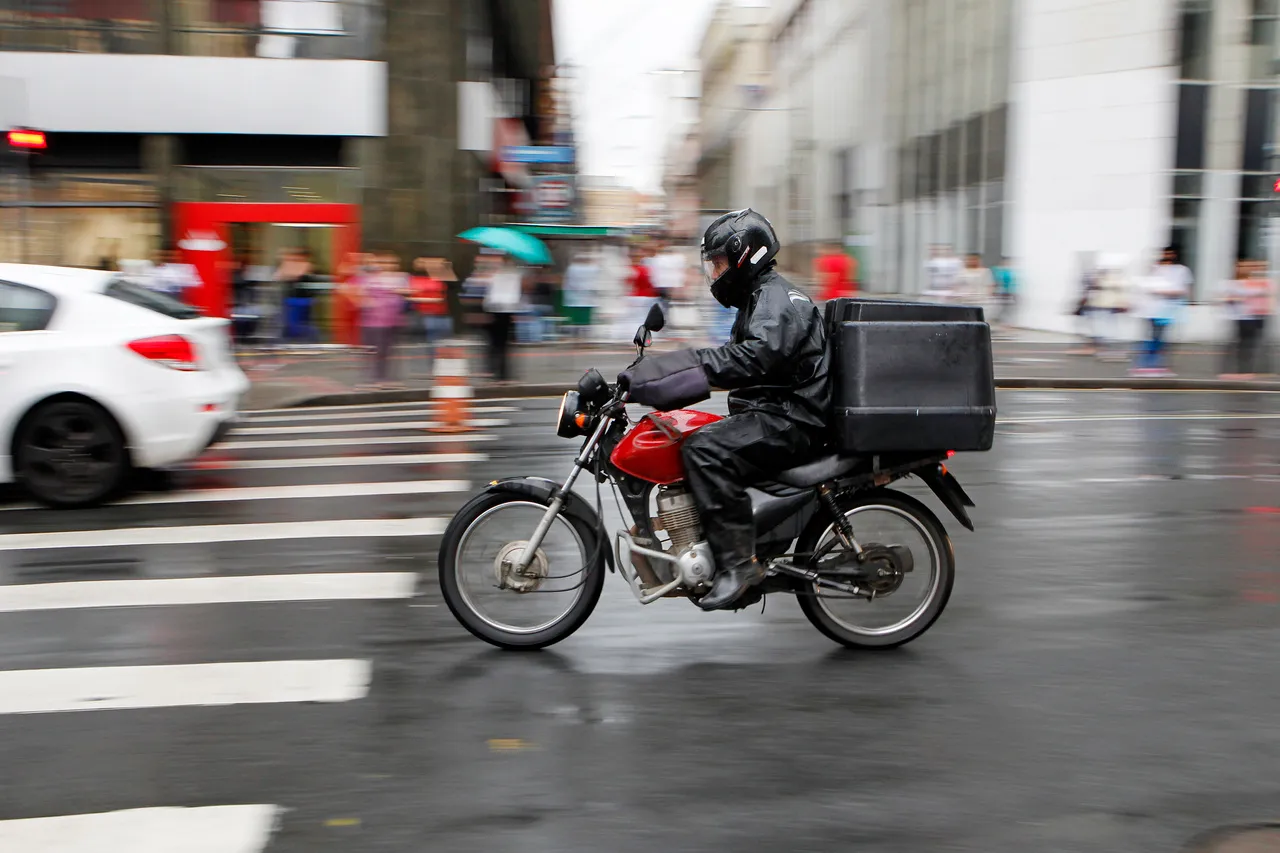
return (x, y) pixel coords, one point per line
(564, 626)
(927, 524)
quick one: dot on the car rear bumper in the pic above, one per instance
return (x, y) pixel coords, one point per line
(192, 422)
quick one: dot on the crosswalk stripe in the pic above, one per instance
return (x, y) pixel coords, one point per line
(236, 589)
(285, 444)
(346, 528)
(426, 410)
(282, 493)
(202, 829)
(46, 691)
(341, 461)
(478, 423)
(412, 404)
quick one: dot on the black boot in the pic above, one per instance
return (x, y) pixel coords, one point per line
(730, 583)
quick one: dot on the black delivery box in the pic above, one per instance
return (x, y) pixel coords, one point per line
(917, 377)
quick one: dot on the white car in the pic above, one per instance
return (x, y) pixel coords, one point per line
(99, 375)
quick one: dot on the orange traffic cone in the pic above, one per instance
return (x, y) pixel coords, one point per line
(452, 390)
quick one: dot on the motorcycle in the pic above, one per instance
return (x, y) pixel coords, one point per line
(523, 563)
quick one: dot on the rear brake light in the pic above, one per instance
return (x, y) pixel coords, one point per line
(950, 453)
(172, 351)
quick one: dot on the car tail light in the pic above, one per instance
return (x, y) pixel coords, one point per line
(172, 351)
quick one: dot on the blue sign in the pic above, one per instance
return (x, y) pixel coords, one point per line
(561, 154)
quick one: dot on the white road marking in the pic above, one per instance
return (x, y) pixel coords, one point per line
(297, 410)
(287, 493)
(346, 461)
(99, 688)
(481, 423)
(238, 589)
(204, 829)
(345, 528)
(283, 444)
(1171, 416)
(425, 410)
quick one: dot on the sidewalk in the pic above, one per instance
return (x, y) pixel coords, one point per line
(319, 376)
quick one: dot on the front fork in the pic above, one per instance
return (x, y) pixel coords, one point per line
(557, 503)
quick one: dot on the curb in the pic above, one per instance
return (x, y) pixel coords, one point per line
(1013, 383)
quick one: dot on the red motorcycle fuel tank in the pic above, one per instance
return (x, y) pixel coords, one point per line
(651, 451)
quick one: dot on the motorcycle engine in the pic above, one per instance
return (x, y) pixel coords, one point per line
(678, 515)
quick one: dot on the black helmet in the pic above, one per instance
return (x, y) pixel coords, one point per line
(745, 243)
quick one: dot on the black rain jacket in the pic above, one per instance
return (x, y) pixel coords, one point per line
(776, 361)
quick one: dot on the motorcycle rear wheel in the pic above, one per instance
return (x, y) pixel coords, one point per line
(839, 618)
(565, 580)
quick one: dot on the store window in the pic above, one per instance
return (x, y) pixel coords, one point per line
(1264, 24)
(1193, 108)
(1254, 212)
(843, 201)
(1195, 32)
(1258, 129)
(80, 26)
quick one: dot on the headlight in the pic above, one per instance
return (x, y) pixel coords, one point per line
(572, 422)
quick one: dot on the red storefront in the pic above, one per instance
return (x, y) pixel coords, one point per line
(203, 232)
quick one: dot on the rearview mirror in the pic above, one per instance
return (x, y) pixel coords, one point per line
(643, 337)
(655, 319)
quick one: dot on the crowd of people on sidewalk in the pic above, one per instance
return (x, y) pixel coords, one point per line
(1157, 301)
(604, 291)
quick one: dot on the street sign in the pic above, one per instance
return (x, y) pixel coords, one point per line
(559, 154)
(552, 197)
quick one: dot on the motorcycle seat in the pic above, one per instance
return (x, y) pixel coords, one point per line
(829, 466)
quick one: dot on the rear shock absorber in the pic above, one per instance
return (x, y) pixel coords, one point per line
(844, 529)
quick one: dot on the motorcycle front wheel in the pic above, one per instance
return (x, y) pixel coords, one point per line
(530, 610)
(906, 602)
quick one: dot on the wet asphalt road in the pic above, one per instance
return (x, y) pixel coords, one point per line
(1105, 677)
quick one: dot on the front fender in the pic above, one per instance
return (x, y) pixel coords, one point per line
(543, 491)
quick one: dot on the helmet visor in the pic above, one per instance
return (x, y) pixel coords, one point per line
(714, 267)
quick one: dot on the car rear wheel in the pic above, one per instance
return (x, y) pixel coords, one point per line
(70, 453)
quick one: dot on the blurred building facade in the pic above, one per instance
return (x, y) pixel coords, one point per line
(1038, 130)
(258, 124)
(734, 61)
(679, 116)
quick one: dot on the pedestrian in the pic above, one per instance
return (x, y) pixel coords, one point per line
(1249, 303)
(347, 298)
(975, 284)
(169, 275)
(1006, 282)
(503, 298)
(667, 271)
(1083, 311)
(943, 269)
(382, 303)
(581, 292)
(1164, 292)
(640, 287)
(429, 294)
(540, 304)
(1108, 302)
(836, 273)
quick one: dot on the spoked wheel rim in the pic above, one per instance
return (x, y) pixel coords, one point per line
(71, 451)
(912, 595)
(548, 593)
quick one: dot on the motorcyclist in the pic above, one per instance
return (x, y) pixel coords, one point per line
(775, 366)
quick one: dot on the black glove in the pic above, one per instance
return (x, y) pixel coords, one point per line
(669, 381)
